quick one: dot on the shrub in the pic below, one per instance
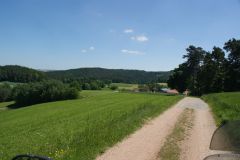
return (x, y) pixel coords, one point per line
(95, 86)
(113, 87)
(45, 91)
(5, 92)
(86, 86)
(76, 84)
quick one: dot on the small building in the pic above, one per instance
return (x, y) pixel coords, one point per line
(172, 91)
(169, 91)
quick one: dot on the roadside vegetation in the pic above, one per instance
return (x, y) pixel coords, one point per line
(208, 72)
(171, 149)
(225, 106)
(77, 129)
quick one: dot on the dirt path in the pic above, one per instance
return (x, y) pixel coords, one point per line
(196, 146)
(146, 143)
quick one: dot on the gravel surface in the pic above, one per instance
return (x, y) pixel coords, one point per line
(146, 143)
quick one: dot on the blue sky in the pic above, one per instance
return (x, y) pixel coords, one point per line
(131, 34)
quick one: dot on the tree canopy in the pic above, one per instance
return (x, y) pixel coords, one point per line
(113, 75)
(206, 72)
(14, 73)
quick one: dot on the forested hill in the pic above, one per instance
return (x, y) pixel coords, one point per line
(115, 75)
(14, 73)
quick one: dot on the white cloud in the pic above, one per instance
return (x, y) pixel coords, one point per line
(141, 38)
(128, 31)
(83, 50)
(91, 48)
(131, 52)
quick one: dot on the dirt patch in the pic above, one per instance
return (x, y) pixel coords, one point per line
(196, 146)
(171, 149)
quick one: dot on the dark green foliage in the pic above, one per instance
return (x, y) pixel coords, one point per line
(14, 73)
(76, 84)
(86, 86)
(187, 75)
(111, 75)
(233, 65)
(113, 87)
(205, 72)
(150, 87)
(179, 78)
(5, 92)
(45, 91)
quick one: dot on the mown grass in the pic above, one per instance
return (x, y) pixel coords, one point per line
(225, 106)
(77, 129)
(171, 149)
(126, 86)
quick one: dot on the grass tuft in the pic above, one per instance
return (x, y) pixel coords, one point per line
(171, 149)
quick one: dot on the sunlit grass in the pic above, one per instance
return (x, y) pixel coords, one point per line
(77, 129)
(225, 106)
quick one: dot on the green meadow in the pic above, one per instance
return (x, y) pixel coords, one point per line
(225, 106)
(126, 86)
(77, 129)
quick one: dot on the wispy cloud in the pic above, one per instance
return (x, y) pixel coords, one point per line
(128, 31)
(91, 48)
(140, 38)
(88, 50)
(131, 52)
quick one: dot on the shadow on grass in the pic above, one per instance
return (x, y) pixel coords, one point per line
(15, 106)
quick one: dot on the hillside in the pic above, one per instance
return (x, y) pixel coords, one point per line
(77, 129)
(15, 73)
(115, 75)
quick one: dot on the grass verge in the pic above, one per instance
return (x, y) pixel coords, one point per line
(225, 106)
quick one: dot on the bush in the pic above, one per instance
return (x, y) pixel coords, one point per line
(86, 86)
(46, 91)
(76, 84)
(5, 92)
(95, 86)
(113, 87)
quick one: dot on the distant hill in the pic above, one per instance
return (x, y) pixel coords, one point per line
(115, 75)
(15, 73)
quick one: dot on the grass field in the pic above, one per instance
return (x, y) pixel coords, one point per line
(77, 129)
(225, 106)
(5, 104)
(126, 86)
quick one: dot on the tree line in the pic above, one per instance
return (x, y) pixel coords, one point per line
(15, 73)
(113, 75)
(207, 72)
(37, 92)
